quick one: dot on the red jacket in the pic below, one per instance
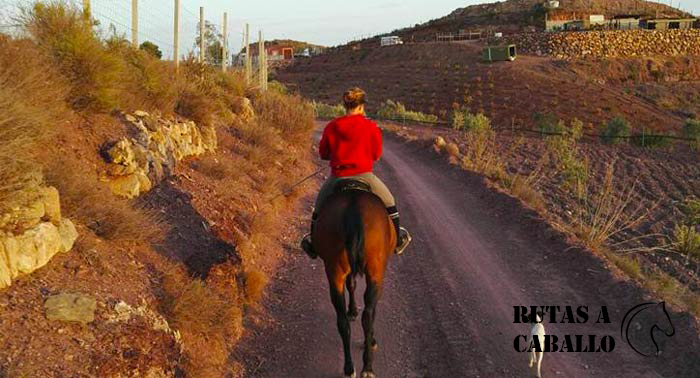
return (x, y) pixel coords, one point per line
(352, 144)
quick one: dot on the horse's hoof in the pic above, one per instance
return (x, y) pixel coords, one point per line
(353, 375)
(375, 346)
(368, 374)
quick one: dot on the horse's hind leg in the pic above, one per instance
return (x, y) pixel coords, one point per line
(352, 307)
(338, 299)
(371, 298)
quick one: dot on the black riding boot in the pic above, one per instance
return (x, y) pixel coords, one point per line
(306, 244)
(403, 238)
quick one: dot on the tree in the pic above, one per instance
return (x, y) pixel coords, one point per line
(152, 49)
(213, 43)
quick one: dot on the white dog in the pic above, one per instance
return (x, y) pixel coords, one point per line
(535, 357)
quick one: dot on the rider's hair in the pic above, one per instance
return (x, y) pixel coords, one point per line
(354, 97)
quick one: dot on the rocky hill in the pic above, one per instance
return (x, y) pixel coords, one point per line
(514, 15)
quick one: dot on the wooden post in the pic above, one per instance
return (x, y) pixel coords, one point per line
(176, 35)
(248, 58)
(202, 43)
(135, 23)
(261, 60)
(224, 47)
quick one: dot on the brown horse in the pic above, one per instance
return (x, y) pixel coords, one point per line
(354, 235)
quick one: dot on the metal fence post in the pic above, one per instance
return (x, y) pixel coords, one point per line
(248, 58)
(135, 23)
(202, 43)
(176, 35)
(261, 60)
(224, 47)
(86, 8)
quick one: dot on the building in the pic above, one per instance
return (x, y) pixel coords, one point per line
(667, 23)
(624, 22)
(563, 20)
(277, 53)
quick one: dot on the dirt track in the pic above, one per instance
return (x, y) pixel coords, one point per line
(447, 309)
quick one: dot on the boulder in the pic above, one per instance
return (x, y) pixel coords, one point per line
(68, 307)
(52, 204)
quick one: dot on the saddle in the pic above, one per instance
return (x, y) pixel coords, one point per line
(351, 184)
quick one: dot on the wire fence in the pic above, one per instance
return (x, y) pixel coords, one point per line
(155, 23)
(643, 138)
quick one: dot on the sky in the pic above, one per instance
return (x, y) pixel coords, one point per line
(324, 22)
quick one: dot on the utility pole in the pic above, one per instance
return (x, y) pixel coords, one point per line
(224, 47)
(176, 35)
(261, 60)
(201, 35)
(248, 58)
(135, 23)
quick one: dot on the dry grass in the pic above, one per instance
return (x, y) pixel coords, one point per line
(94, 205)
(605, 213)
(255, 283)
(210, 322)
(31, 100)
(290, 114)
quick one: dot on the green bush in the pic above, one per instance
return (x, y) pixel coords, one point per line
(615, 131)
(548, 123)
(691, 130)
(564, 148)
(396, 111)
(649, 139)
(322, 110)
(686, 241)
(462, 119)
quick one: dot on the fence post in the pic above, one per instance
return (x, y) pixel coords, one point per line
(224, 47)
(248, 58)
(135, 23)
(176, 35)
(202, 43)
(261, 60)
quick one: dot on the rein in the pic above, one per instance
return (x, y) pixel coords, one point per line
(297, 184)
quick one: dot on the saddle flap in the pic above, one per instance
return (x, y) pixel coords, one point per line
(351, 184)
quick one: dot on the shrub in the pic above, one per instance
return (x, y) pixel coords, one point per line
(564, 148)
(326, 111)
(396, 111)
(96, 75)
(691, 130)
(290, 114)
(691, 210)
(548, 123)
(649, 139)
(615, 131)
(152, 49)
(31, 100)
(462, 119)
(686, 241)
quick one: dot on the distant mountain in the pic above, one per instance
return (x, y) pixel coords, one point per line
(298, 46)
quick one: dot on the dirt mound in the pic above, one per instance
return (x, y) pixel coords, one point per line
(433, 77)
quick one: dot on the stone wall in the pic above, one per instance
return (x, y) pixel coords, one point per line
(609, 44)
(32, 235)
(137, 162)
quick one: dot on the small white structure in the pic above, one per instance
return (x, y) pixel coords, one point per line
(552, 4)
(391, 40)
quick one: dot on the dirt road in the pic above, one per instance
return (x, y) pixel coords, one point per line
(447, 308)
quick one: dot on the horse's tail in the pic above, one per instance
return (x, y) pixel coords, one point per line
(354, 236)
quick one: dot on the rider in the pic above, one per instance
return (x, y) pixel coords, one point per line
(353, 144)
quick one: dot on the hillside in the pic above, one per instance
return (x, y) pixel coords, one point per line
(514, 15)
(298, 46)
(433, 77)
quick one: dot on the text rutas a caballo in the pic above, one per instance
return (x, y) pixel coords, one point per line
(570, 343)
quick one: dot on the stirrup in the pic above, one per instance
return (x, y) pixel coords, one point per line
(307, 247)
(404, 239)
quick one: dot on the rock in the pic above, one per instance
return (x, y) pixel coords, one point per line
(52, 205)
(70, 308)
(141, 114)
(25, 253)
(130, 186)
(243, 108)
(440, 143)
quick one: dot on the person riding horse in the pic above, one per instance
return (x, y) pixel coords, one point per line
(353, 144)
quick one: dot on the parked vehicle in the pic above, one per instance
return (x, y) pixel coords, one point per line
(391, 40)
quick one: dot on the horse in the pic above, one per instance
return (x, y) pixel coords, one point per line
(354, 236)
(649, 313)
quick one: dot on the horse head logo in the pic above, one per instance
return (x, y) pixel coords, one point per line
(661, 322)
